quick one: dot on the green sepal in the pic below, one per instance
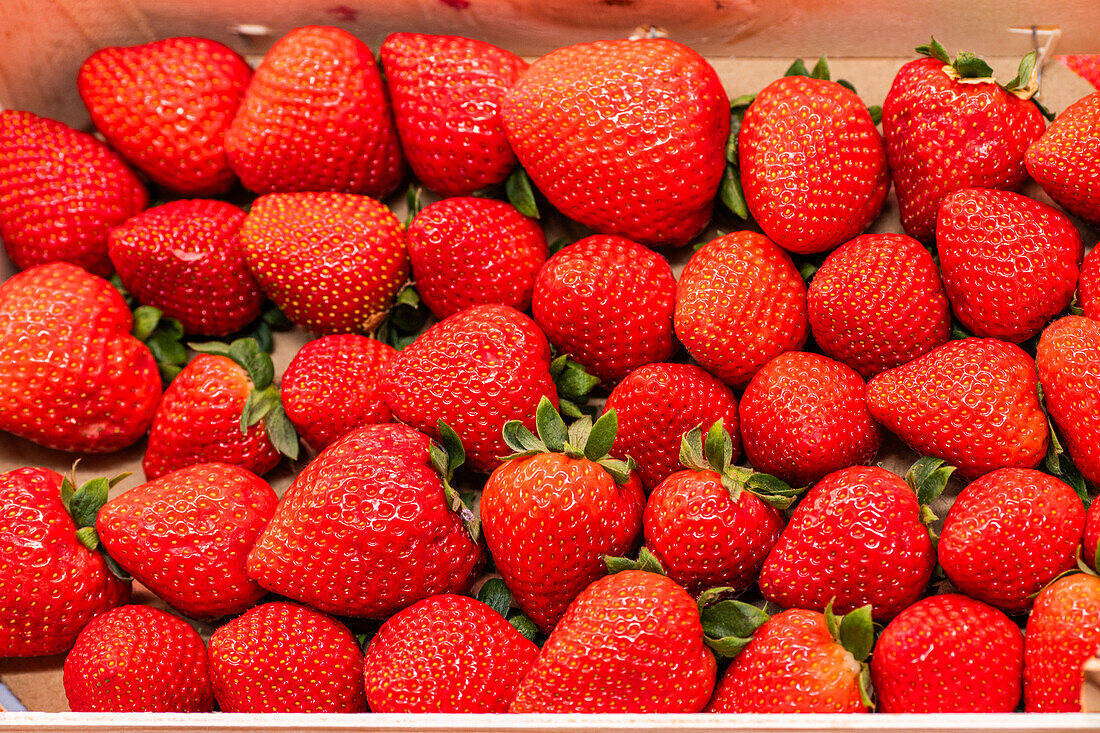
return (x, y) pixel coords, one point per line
(646, 562)
(116, 283)
(602, 436)
(849, 86)
(928, 478)
(67, 491)
(971, 66)
(1023, 73)
(521, 193)
(86, 501)
(1059, 464)
(162, 337)
(718, 447)
(414, 204)
(1096, 559)
(875, 111)
(1043, 110)
(257, 406)
(405, 321)
(728, 625)
(866, 690)
(579, 431)
(495, 594)
(216, 348)
(550, 425)
(112, 565)
(691, 450)
(88, 537)
(525, 626)
(558, 245)
(731, 194)
(572, 382)
(821, 70)
(935, 50)
(248, 354)
(280, 431)
(855, 631)
(521, 440)
(274, 317)
(146, 318)
(619, 469)
(798, 68)
(452, 445)
(807, 270)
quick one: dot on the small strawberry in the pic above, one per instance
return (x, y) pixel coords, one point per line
(446, 93)
(61, 190)
(1069, 367)
(608, 303)
(165, 106)
(949, 654)
(286, 658)
(740, 303)
(1088, 287)
(1063, 160)
(1086, 66)
(1063, 632)
(137, 659)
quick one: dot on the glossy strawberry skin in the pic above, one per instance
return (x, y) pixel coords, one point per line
(1087, 66)
(71, 375)
(475, 370)
(166, 105)
(1063, 632)
(999, 425)
(185, 258)
(365, 529)
(469, 251)
(52, 585)
(1063, 160)
(138, 659)
(740, 302)
(61, 190)
(948, 654)
(286, 658)
(1088, 287)
(1092, 535)
(625, 633)
(608, 303)
(813, 164)
(186, 535)
(652, 175)
(446, 93)
(656, 404)
(315, 117)
(446, 654)
(1010, 264)
(1069, 367)
(1010, 533)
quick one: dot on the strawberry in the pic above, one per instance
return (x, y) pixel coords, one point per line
(1090, 542)
(137, 659)
(332, 387)
(446, 93)
(185, 258)
(371, 526)
(446, 654)
(1063, 632)
(657, 405)
(556, 507)
(1062, 161)
(166, 105)
(1010, 264)
(804, 416)
(1088, 287)
(608, 303)
(71, 375)
(471, 251)
(1086, 66)
(332, 262)
(1008, 534)
(972, 402)
(286, 658)
(626, 137)
(475, 370)
(57, 583)
(740, 303)
(949, 654)
(186, 535)
(221, 407)
(949, 125)
(61, 190)
(878, 302)
(1069, 367)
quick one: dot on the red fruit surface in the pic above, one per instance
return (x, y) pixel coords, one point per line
(1092, 535)
(1088, 288)
(1063, 632)
(1069, 367)
(1064, 160)
(1086, 66)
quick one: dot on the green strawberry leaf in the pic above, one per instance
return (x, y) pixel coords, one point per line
(620, 470)
(67, 491)
(602, 436)
(571, 380)
(847, 85)
(1048, 114)
(116, 282)
(857, 633)
(146, 318)
(876, 113)
(935, 50)
(731, 194)
(247, 353)
(275, 318)
(217, 348)
(551, 426)
(406, 319)
(866, 690)
(1023, 74)
(820, 70)
(798, 68)
(86, 501)
(928, 478)
(521, 440)
(113, 566)
(521, 193)
(414, 204)
(1059, 464)
(691, 450)
(495, 594)
(524, 626)
(718, 447)
(452, 446)
(728, 625)
(646, 562)
(558, 245)
(257, 406)
(579, 431)
(971, 66)
(281, 432)
(88, 537)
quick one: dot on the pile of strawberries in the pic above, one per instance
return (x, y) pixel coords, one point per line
(449, 402)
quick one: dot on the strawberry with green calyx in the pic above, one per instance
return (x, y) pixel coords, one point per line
(162, 336)
(573, 385)
(1068, 360)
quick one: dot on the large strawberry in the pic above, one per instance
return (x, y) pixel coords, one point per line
(1088, 286)
(1063, 632)
(1069, 367)
(626, 137)
(315, 117)
(166, 106)
(1064, 159)
(61, 190)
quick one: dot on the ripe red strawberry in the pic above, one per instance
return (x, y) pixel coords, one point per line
(315, 117)
(186, 535)
(608, 303)
(949, 654)
(1063, 160)
(740, 303)
(804, 416)
(332, 262)
(471, 251)
(286, 658)
(370, 527)
(1090, 543)
(1063, 632)
(972, 402)
(332, 387)
(138, 659)
(630, 643)
(1069, 367)
(657, 404)
(446, 654)
(1010, 264)
(626, 137)
(1086, 66)
(57, 584)
(1008, 534)
(556, 508)
(71, 375)
(475, 370)
(446, 93)
(949, 125)
(60, 192)
(1088, 287)
(185, 258)
(165, 106)
(812, 163)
